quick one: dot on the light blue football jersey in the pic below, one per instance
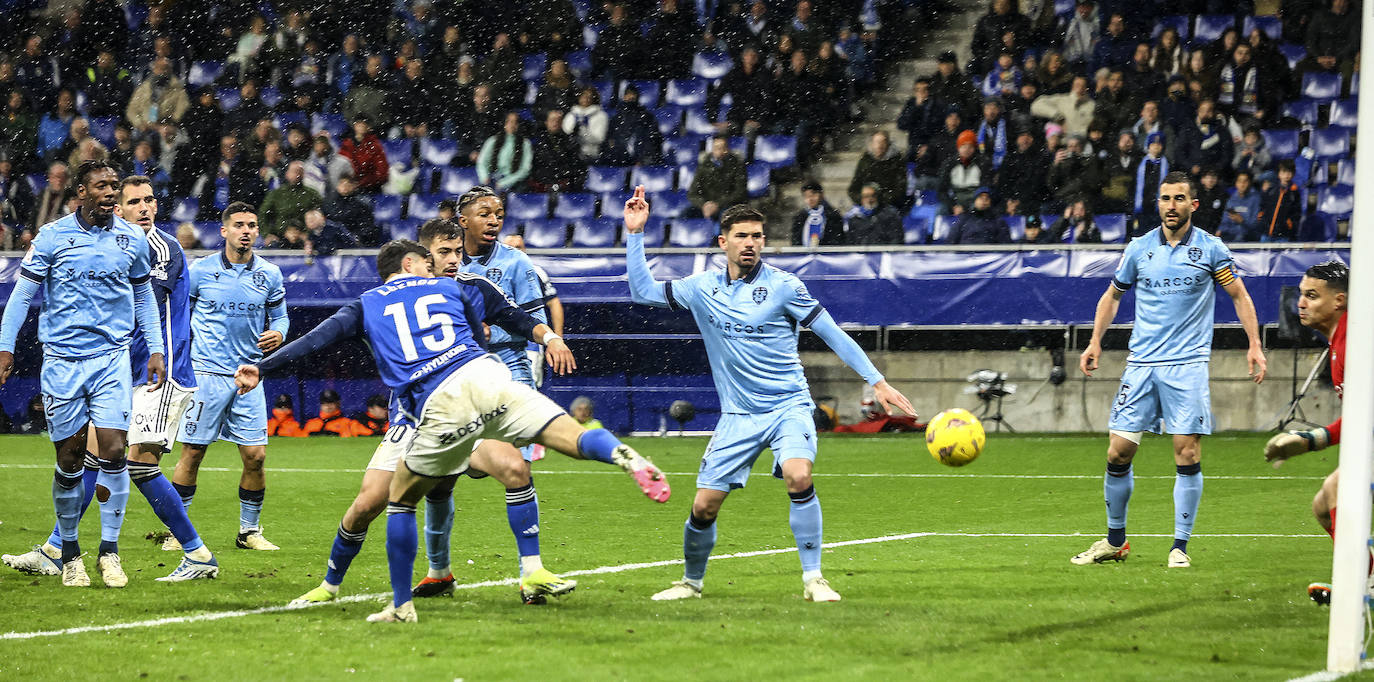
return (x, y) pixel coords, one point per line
(513, 273)
(230, 309)
(87, 274)
(1175, 295)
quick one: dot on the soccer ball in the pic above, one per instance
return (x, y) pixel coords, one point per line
(955, 437)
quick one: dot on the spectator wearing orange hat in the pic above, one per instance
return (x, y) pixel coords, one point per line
(964, 174)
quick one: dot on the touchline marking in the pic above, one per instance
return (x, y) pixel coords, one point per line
(601, 570)
(617, 472)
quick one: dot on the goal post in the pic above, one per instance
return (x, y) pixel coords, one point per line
(1350, 561)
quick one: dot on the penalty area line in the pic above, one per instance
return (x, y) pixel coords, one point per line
(600, 570)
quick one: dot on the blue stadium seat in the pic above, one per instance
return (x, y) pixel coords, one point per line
(438, 151)
(1305, 110)
(531, 93)
(1336, 201)
(270, 96)
(1282, 144)
(1112, 226)
(1345, 172)
(1293, 52)
(686, 92)
(778, 151)
(693, 232)
(386, 208)
(455, 181)
(204, 73)
(524, 206)
(1354, 85)
(1016, 225)
(1270, 24)
(686, 173)
(1345, 113)
(654, 231)
(1330, 142)
(917, 225)
(668, 119)
(758, 179)
(1318, 228)
(648, 91)
(605, 90)
(579, 61)
(424, 206)
(404, 229)
(606, 178)
(102, 128)
(1211, 26)
(229, 98)
(590, 34)
(334, 124)
(1064, 8)
(944, 225)
(1179, 22)
(1321, 86)
(697, 122)
(595, 232)
(683, 149)
(654, 178)
(532, 69)
(739, 144)
(574, 205)
(546, 234)
(671, 204)
(207, 232)
(711, 65)
(186, 210)
(286, 119)
(399, 151)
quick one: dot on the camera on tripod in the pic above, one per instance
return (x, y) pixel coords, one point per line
(991, 387)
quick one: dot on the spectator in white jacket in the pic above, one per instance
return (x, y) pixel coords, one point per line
(1073, 109)
(587, 123)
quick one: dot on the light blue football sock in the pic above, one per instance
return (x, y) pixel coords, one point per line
(250, 509)
(66, 500)
(114, 478)
(439, 525)
(1187, 495)
(1117, 485)
(698, 539)
(805, 519)
(91, 469)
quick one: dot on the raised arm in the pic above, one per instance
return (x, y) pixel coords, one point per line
(644, 288)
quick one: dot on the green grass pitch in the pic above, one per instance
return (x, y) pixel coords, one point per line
(986, 591)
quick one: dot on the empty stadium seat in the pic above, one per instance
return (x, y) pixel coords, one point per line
(1270, 24)
(456, 180)
(1321, 86)
(758, 179)
(438, 152)
(1016, 226)
(408, 228)
(186, 209)
(386, 208)
(944, 225)
(670, 204)
(1305, 110)
(1112, 226)
(287, 119)
(682, 149)
(1293, 52)
(399, 151)
(1179, 22)
(532, 68)
(917, 225)
(1318, 228)
(204, 73)
(1329, 143)
(648, 91)
(686, 92)
(654, 231)
(1345, 172)
(1336, 201)
(1345, 113)
(229, 98)
(605, 90)
(334, 124)
(579, 61)
(590, 34)
(1282, 144)
(102, 128)
(693, 232)
(712, 65)
(595, 232)
(424, 206)
(543, 233)
(606, 178)
(778, 151)
(696, 122)
(207, 232)
(654, 178)
(668, 119)
(526, 206)
(685, 174)
(1211, 26)
(270, 96)
(574, 205)
(739, 144)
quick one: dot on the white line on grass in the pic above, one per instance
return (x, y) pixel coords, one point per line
(617, 472)
(601, 570)
(1328, 676)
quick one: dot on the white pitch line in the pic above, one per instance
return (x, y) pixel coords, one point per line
(601, 570)
(1328, 676)
(617, 472)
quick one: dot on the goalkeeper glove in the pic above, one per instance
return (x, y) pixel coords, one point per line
(1294, 443)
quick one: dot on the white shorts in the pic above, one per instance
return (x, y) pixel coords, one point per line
(478, 401)
(394, 444)
(157, 414)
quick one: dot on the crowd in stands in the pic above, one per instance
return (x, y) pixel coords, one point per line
(1066, 116)
(350, 122)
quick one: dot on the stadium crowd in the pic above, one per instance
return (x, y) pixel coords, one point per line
(1109, 96)
(350, 122)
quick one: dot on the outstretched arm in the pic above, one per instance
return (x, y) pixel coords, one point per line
(854, 357)
(643, 287)
(346, 323)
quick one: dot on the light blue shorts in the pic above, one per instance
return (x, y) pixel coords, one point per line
(218, 412)
(1175, 399)
(96, 390)
(520, 372)
(740, 438)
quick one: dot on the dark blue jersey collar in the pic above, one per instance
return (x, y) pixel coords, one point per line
(1186, 240)
(483, 259)
(748, 277)
(88, 226)
(224, 262)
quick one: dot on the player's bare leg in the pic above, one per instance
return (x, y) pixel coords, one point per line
(564, 433)
(402, 537)
(252, 486)
(1117, 486)
(1187, 494)
(698, 539)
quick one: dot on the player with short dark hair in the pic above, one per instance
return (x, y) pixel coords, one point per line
(1164, 388)
(1323, 305)
(92, 267)
(750, 315)
(238, 313)
(449, 394)
(156, 413)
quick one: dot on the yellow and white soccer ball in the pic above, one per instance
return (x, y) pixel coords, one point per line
(955, 437)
